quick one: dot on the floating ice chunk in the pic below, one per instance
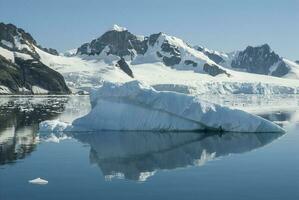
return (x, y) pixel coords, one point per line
(38, 181)
(134, 106)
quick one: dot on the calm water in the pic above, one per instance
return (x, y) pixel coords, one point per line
(114, 165)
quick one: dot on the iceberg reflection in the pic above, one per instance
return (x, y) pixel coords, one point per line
(138, 155)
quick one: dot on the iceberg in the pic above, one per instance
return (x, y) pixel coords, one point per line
(38, 181)
(133, 106)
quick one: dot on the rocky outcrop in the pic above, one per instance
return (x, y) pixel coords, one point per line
(123, 65)
(211, 54)
(297, 61)
(23, 72)
(213, 70)
(173, 51)
(260, 60)
(120, 43)
(16, 39)
(31, 77)
(190, 62)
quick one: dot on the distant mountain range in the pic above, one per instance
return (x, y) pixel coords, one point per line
(118, 55)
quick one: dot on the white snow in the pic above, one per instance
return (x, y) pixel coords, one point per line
(9, 55)
(294, 69)
(19, 45)
(39, 90)
(70, 52)
(4, 90)
(7, 43)
(118, 28)
(23, 56)
(23, 90)
(135, 106)
(38, 181)
(186, 53)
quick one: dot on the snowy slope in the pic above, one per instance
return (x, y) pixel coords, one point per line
(294, 69)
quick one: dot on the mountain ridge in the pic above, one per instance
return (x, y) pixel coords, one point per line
(163, 61)
(22, 72)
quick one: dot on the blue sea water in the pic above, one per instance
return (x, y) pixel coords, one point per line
(141, 165)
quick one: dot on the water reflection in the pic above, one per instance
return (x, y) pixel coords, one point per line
(138, 155)
(19, 119)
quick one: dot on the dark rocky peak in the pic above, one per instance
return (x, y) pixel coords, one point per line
(119, 41)
(49, 50)
(152, 39)
(214, 70)
(297, 61)
(170, 54)
(16, 39)
(123, 65)
(30, 74)
(8, 32)
(259, 60)
(211, 54)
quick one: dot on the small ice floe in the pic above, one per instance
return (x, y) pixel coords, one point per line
(53, 126)
(38, 181)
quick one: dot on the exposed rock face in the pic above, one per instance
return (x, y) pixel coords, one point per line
(259, 60)
(281, 69)
(123, 65)
(212, 55)
(50, 51)
(173, 51)
(16, 39)
(27, 74)
(120, 43)
(213, 70)
(297, 61)
(190, 62)
(216, 58)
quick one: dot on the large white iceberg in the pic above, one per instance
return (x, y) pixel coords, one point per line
(133, 106)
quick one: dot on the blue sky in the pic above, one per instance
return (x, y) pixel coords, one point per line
(224, 25)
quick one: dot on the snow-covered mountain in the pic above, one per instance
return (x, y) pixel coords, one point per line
(168, 63)
(159, 47)
(21, 71)
(160, 60)
(258, 60)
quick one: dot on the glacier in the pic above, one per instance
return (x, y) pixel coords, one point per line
(134, 106)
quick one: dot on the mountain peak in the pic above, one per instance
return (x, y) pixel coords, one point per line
(118, 28)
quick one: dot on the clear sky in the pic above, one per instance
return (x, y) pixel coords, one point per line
(224, 25)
